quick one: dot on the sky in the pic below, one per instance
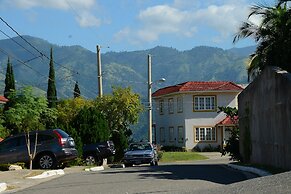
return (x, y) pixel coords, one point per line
(128, 25)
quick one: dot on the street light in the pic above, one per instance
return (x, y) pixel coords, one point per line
(150, 110)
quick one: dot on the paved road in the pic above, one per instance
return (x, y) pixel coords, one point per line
(167, 178)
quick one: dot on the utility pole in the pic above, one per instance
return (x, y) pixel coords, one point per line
(150, 116)
(99, 71)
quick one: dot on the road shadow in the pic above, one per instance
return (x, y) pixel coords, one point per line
(216, 173)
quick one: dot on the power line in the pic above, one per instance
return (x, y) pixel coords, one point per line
(19, 61)
(41, 53)
(21, 36)
(18, 43)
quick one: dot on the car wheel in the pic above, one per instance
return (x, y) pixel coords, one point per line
(46, 161)
(90, 160)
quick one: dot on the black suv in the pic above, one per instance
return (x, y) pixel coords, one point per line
(95, 153)
(54, 147)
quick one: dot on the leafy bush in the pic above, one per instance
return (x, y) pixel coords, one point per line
(160, 155)
(173, 149)
(232, 145)
(5, 167)
(208, 148)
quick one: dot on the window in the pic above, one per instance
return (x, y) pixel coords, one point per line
(161, 107)
(202, 103)
(179, 104)
(205, 134)
(171, 134)
(171, 105)
(180, 134)
(162, 134)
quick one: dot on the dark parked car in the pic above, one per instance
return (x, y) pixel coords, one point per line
(140, 153)
(54, 147)
(95, 153)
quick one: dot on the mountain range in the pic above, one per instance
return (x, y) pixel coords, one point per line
(77, 64)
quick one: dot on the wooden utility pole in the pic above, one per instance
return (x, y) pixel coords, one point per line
(99, 71)
(150, 117)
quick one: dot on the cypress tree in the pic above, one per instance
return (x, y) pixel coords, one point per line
(51, 90)
(9, 79)
(77, 92)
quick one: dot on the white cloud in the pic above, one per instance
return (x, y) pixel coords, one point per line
(55, 4)
(81, 8)
(184, 18)
(160, 20)
(86, 19)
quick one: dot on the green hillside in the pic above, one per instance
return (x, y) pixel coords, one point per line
(74, 63)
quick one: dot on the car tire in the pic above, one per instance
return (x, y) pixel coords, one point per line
(46, 161)
(92, 160)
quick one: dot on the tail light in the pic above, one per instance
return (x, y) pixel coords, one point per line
(62, 141)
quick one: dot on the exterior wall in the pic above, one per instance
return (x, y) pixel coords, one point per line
(190, 119)
(168, 120)
(265, 119)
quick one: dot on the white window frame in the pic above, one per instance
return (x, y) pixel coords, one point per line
(171, 134)
(204, 103)
(205, 134)
(161, 107)
(180, 104)
(180, 134)
(171, 105)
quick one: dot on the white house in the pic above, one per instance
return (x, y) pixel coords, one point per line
(186, 114)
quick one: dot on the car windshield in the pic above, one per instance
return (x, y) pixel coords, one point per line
(133, 147)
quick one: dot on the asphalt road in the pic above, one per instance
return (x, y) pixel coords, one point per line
(167, 178)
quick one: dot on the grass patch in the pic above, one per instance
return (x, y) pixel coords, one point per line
(181, 156)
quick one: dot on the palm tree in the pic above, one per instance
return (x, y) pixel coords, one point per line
(273, 36)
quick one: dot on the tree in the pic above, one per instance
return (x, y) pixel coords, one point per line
(232, 144)
(91, 125)
(273, 36)
(67, 114)
(9, 82)
(121, 110)
(51, 90)
(3, 131)
(29, 113)
(77, 92)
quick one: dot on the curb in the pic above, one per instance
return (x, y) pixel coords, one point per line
(97, 168)
(48, 174)
(249, 169)
(3, 187)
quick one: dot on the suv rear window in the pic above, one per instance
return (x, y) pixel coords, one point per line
(62, 133)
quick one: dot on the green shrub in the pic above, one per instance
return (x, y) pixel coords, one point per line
(160, 155)
(5, 167)
(173, 149)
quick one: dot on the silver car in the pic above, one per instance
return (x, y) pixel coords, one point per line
(140, 153)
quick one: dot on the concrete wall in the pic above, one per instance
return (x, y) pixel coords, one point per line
(265, 119)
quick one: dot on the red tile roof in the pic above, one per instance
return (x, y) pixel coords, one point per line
(3, 99)
(198, 86)
(1, 139)
(228, 121)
